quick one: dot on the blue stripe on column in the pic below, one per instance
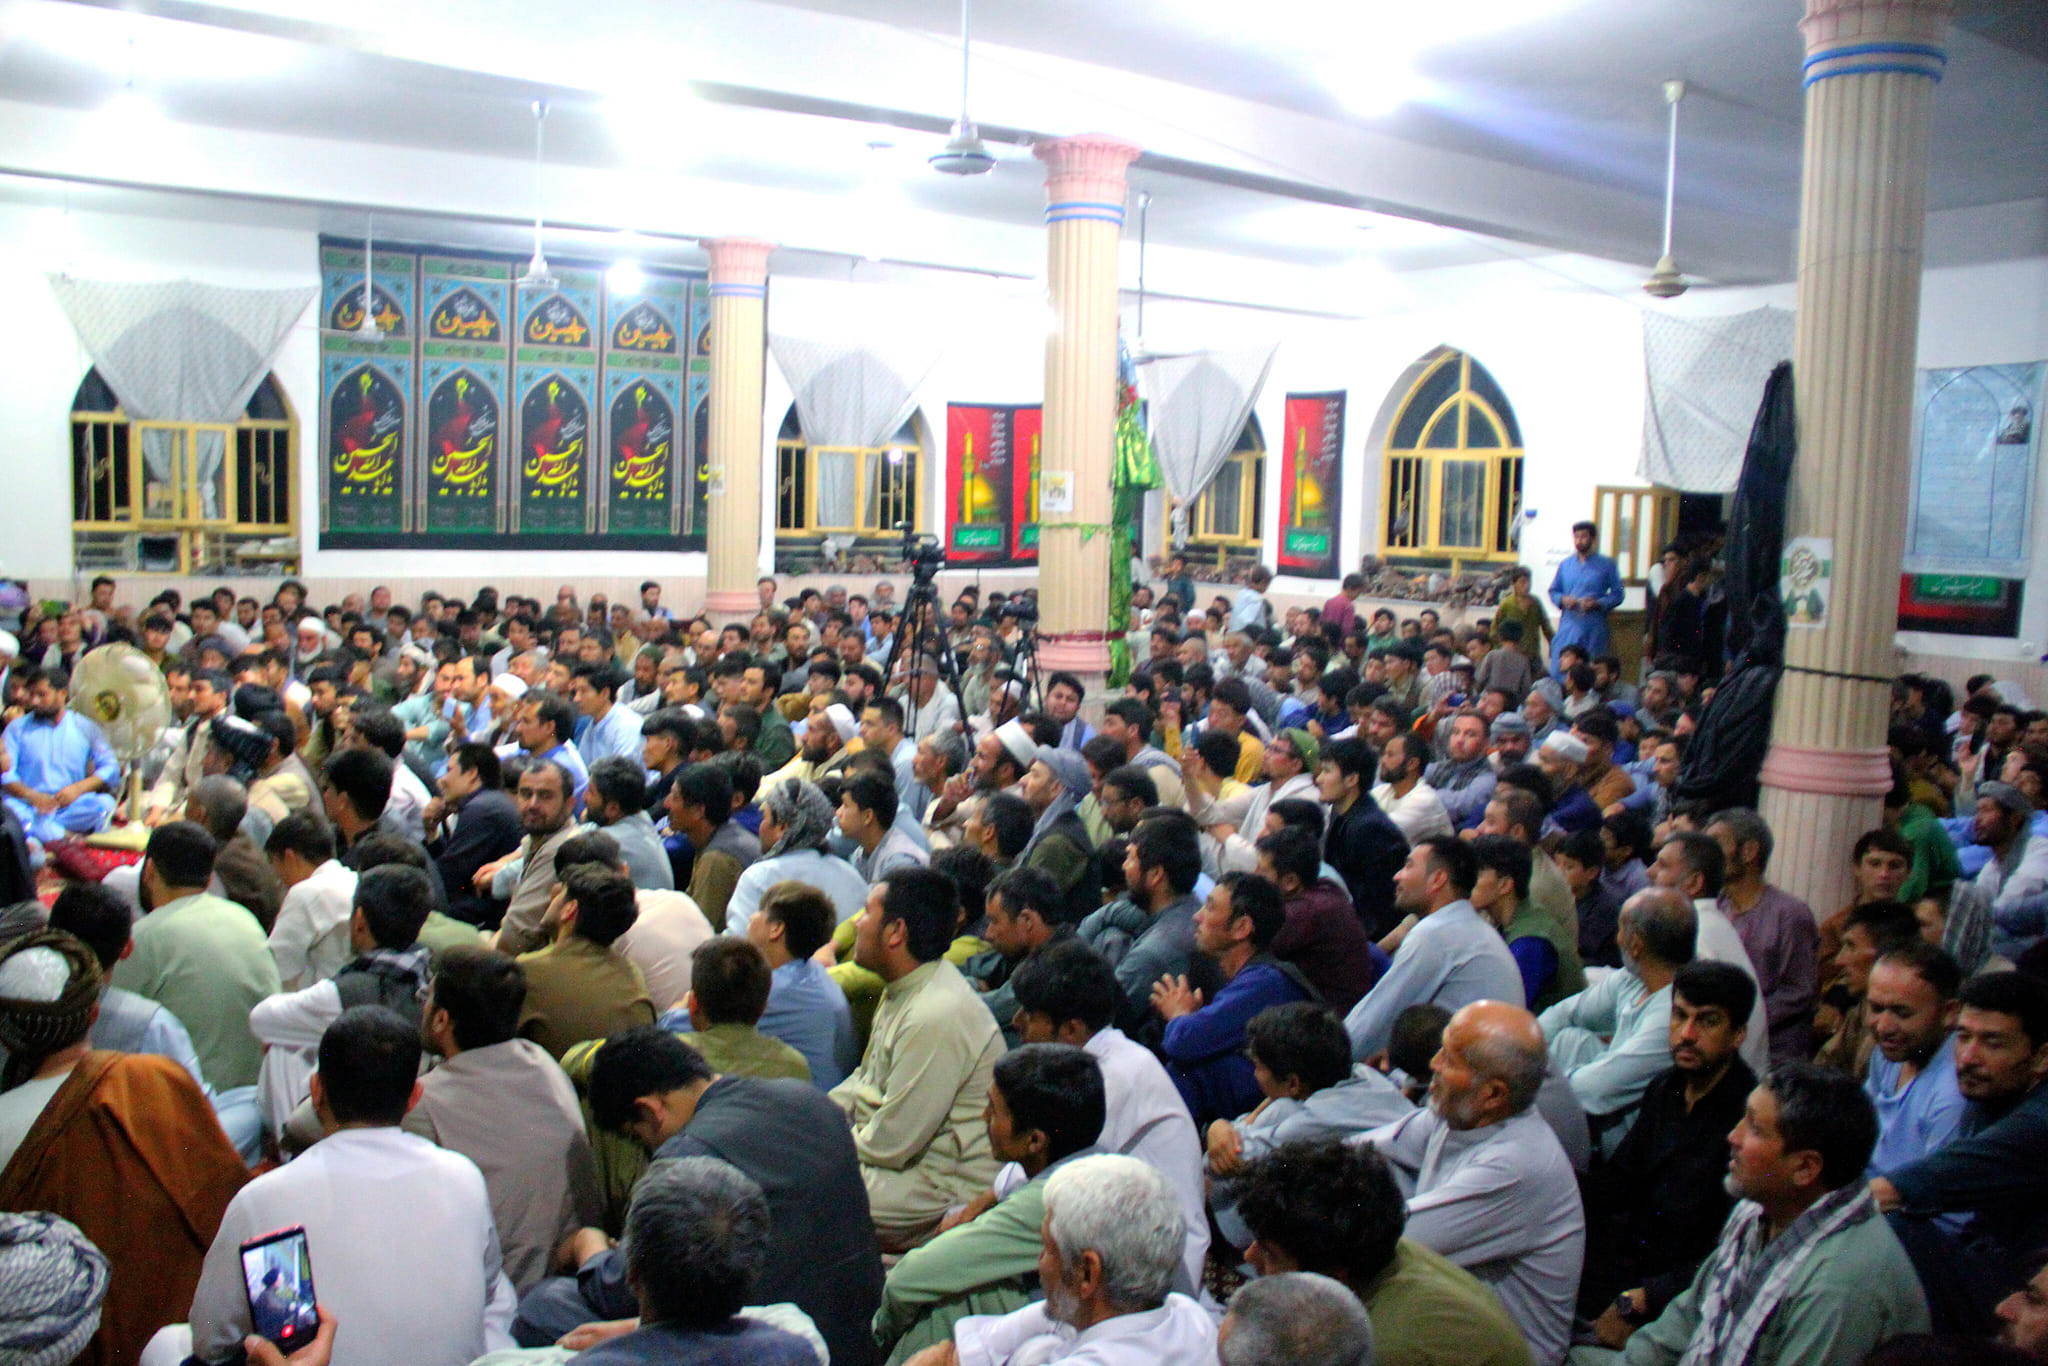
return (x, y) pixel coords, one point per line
(1071, 209)
(739, 291)
(1877, 59)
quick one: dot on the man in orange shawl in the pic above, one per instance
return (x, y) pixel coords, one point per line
(124, 1146)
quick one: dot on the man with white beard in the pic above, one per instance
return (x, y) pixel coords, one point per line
(1111, 1242)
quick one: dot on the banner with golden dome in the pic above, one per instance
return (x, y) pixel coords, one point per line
(992, 473)
(1311, 484)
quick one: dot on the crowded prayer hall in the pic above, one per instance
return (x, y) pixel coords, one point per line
(835, 743)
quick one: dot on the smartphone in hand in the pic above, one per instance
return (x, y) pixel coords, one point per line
(277, 1272)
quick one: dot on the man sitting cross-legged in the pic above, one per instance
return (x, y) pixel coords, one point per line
(915, 1101)
(784, 1134)
(1655, 1208)
(538, 1170)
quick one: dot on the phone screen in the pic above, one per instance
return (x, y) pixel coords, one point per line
(277, 1270)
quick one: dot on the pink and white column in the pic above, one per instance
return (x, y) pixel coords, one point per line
(1084, 216)
(1871, 69)
(739, 361)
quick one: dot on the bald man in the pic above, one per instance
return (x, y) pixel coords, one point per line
(1492, 1188)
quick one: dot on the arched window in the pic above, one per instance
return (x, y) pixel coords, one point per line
(1228, 513)
(1452, 484)
(846, 490)
(186, 496)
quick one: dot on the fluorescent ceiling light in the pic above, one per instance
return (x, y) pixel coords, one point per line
(625, 278)
(130, 109)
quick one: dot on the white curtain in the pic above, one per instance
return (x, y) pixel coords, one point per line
(1705, 379)
(1199, 403)
(850, 395)
(179, 351)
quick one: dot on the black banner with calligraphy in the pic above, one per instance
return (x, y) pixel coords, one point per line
(563, 421)
(646, 340)
(366, 394)
(465, 346)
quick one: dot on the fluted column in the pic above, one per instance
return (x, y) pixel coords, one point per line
(739, 361)
(1870, 73)
(1084, 216)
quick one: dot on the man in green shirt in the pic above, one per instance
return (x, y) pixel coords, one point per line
(1334, 1208)
(916, 1100)
(1045, 1107)
(1935, 866)
(1807, 1272)
(199, 956)
(729, 984)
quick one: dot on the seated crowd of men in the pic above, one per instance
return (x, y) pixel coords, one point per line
(662, 993)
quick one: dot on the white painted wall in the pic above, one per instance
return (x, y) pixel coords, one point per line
(1562, 336)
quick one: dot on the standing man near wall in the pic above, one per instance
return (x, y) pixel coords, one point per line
(1586, 588)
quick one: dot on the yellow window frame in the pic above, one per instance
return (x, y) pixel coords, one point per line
(1635, 526)
(903, 487)
(184, 514)
(1400, 466)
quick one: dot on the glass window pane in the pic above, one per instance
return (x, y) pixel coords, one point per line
(1407, 499)
(1226, 498)
(1443, 433)
(1483, 385)
(1439, 385)
(1464, 503)
(1480, 433)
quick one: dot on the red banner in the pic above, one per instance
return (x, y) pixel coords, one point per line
(992, 453)
(1311, 484)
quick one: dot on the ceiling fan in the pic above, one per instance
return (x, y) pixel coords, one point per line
(1140, 353)
(964, 153)
(1665, 281)
(538, 276)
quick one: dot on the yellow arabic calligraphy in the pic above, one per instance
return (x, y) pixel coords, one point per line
(657, 338)
(640, 471)
(462, 467)
(570, 333)
(447, 324)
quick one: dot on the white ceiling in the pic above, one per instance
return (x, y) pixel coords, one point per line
(1540, 129)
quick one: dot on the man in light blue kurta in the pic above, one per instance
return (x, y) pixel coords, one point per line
(1910, 1002)
(1585, 589)
(1614, 1038)
(59, 772)
(1451, 958)
(613, 729)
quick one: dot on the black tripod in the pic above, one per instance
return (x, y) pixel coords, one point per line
(921, 632)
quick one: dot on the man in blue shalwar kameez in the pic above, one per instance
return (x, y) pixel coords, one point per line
(1586, 588)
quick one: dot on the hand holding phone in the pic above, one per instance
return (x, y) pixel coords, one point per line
(277, 1273)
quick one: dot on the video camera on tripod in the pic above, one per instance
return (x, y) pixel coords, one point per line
(923, 553)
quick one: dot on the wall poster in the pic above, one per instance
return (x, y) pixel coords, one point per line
(366, 396)
(992, 471)
(465, 346)
(1969, 533)
(571, 419)
(1311, 484)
